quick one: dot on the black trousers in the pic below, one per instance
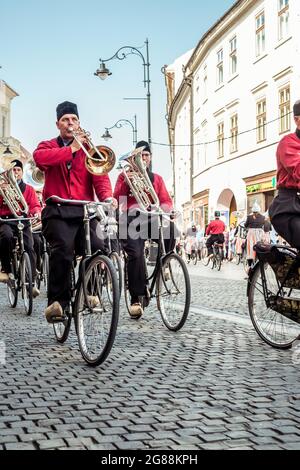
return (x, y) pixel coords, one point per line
(219, 238)
(66, 237)
(134, 247)
(285, 215)
(8, 231)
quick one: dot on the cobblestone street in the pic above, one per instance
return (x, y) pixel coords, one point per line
(214, 385)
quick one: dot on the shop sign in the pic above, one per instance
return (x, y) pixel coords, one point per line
(268, 185)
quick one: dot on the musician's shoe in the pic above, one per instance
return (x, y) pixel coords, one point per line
(54, 312)
(93, 301)
(136, 310)
(35, 292)
(4, 277)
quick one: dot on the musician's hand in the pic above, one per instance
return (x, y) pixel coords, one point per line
(37, 215)
(113, 202)
(75, 146)
(4, 186)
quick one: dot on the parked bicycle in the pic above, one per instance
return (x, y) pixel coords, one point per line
(94, 303)
(20, 279)
(274, 295)
(169, 283)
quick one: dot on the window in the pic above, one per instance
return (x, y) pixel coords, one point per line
(220, 73)
(233, 56)
(205, 83)
(261, 119)
(284, 109)
(233, 133)
(220, 139)
(283, 19)
(260, 34)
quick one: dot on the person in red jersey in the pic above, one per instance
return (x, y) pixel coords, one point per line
(134, 241)
(9, 230)
(63, 162)
(215, 229)
(285, 209)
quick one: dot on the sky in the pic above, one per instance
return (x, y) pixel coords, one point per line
(50, 49)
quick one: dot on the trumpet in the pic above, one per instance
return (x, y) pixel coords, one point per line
(100, 159)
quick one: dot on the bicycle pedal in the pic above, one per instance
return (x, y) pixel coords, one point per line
(58, 319)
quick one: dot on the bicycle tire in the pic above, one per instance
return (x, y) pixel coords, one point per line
(114, 256)
(45, 270)
(273, 328)
(12, 287)
(26, 283)
(204, 256)
(100, 276)
(62, 329)
(163, 285)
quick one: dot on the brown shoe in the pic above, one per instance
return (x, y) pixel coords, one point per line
(35, 292)
(93, 301)
(54, 312)
(136, 310)
(4, 277)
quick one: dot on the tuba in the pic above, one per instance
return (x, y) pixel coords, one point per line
(12, 194)
(100, 159)
(135, 173)
(33, 176)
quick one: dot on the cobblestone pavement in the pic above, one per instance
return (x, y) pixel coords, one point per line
(214, 385)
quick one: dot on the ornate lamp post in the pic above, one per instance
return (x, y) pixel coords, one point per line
(103, 72)
(118, 125)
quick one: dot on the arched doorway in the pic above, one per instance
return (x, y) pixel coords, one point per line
(227, 206)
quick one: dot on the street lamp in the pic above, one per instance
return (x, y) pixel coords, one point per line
(103, 72)
(118, 125)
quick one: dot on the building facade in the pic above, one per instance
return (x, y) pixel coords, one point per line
(232, 107)
(10, 147)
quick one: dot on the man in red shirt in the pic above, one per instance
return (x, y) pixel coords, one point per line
(8, 230)
(216, 230)
(133, 242)
(285, 209)
(63, 162)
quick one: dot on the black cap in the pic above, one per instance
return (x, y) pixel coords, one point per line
(296, 108)
(217, 214)
(145, 144)
(17, 163)
(66, 108)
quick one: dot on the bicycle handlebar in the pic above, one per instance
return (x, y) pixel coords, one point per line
(22, 219)
(75, 202)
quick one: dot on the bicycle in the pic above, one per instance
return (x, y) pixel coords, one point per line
(274, 295)
(217, 256)
(21, 275)
(94, 303)
(42, 268)
(169, 283)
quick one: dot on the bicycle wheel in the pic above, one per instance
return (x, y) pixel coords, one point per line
(126, 289)
(173, 292)
(274, 328)
(204, 256)
(26, 283)
(195, 258)
(118, 267)
(12, 286)
(45, 270)
(96, 315)
(218, 261)
(62, 329)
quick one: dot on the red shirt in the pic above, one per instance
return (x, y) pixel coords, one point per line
(288, 162)
(215, 227)
(76, 183)
(122, 189)
(30, 197)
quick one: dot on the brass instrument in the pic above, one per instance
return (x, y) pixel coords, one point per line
(135, 173)
(12, 194)
(100, 159)
(33, 176)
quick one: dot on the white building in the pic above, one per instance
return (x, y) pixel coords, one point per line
(7, 142)
(232, 108)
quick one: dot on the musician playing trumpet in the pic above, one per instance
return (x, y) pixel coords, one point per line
(147, 227)
(9, 230)
(62, 160)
